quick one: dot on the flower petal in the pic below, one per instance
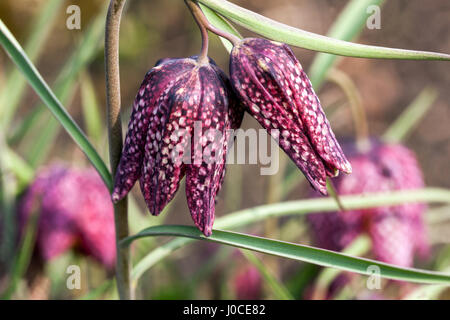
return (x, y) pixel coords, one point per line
(156, 81)
(253, 79)
(205, 174)
(171, 123)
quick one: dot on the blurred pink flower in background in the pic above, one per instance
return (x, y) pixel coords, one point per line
(397, 232)
(247, 283)
(74, 211)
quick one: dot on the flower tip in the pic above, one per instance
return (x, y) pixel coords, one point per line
(115, 197)
(323, 190)
(207, 231)
(347, 168)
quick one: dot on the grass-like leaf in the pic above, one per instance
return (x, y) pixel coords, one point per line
(16, 53)
(281, 32)
(91, 109)
(357, 247)
(409, 118)
(347, 26)
(278, 289)
(247, 216)
(12, 92)
(64, 88)
(294, 251)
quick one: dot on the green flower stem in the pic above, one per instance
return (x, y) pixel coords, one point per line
(113, 105)
(347, 85)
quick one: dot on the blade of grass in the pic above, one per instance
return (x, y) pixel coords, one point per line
(16, 53)
(65, 89)
(91, 109)
(14, 163)
(278, 289)
(30, 120)
(298, 252)
(7, 205)
(409, 118)
(256, 214)
(23, 257)
(40, 147)
(13, 90)
(357, 247)
(281, 32)
(347, 26)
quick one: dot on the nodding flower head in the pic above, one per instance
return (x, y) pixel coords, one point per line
(397, 232)
(180, 125)
(277, 93)
(74, 210)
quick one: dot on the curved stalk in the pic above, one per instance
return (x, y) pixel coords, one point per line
(112, 28)
(204, 24)
(203, 56)
(347, 85)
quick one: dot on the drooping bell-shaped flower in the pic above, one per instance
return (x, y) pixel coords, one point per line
(277, 93)
(74, 211)
(397, 232)
(180, 124)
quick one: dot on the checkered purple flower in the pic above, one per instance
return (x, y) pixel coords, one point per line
(176, 97)
(397, 232)
(74, 210)
(276, 91)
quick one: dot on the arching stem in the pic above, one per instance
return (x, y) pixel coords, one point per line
(355, 101)
(112, 28)
(205, 25)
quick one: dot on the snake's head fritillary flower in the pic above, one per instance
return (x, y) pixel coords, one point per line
(277, 93)
(74, 210)
(180, 125)
(397, 232)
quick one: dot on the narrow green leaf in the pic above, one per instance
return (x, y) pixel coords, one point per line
(14, 163)
(409, 118)
(91, 109)
(357, 247)
(23, 256)
(8, 183)
(278, 288)
(12, 92)
(299, 252)
(280, 32)
(64, 90)
(39, 148)
(256, 214)
(16, 53)
(28, 121)
(99, 291)
(347, 26)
